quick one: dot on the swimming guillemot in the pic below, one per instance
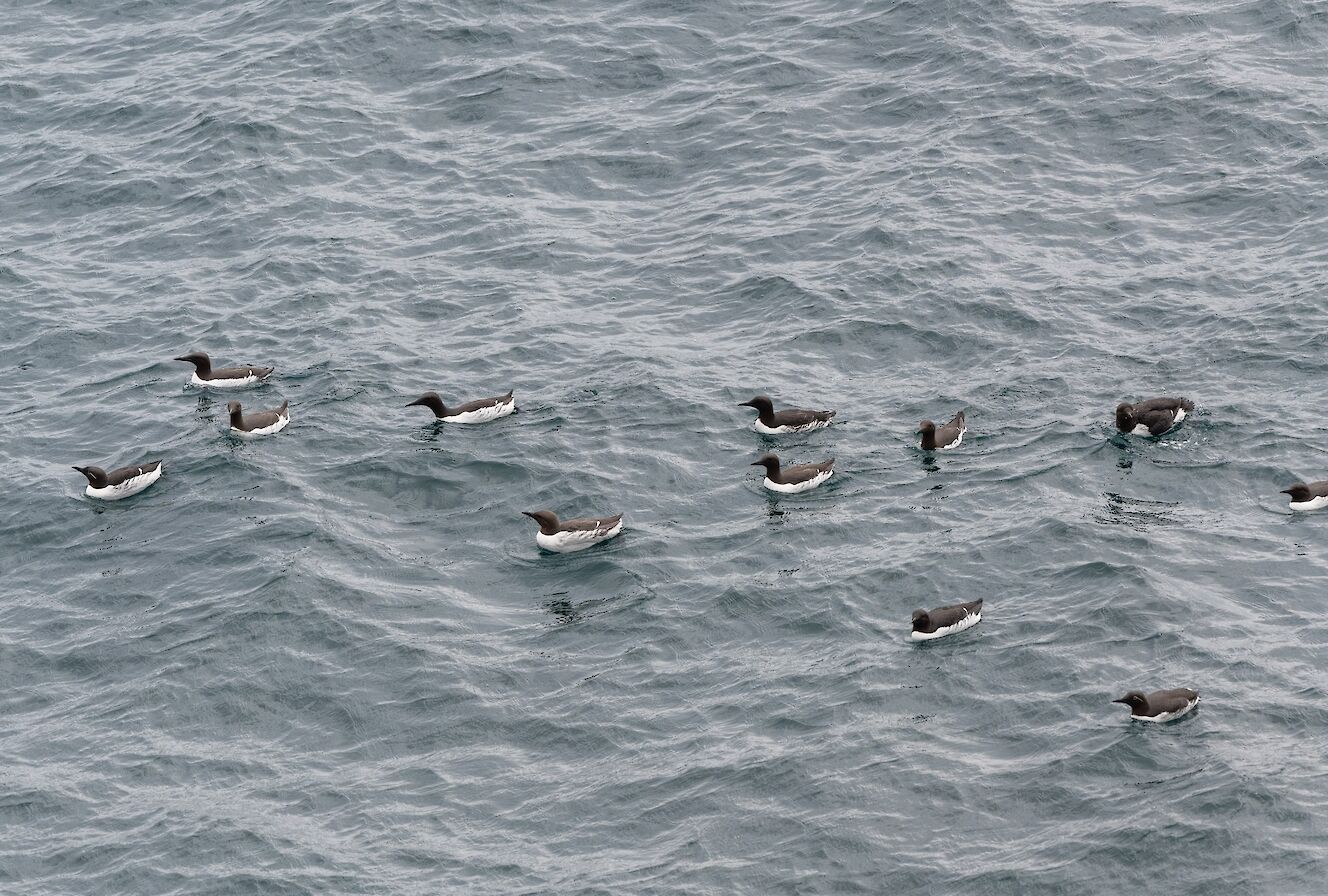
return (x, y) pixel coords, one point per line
(565, 536)
(120, 483)
(1308, 495)
(945, 620)
(773, 422)
(1160, 706)
(947, 436)
(1152, 417)
(224, 378)
(481, 410)
(791, 480)
(260, 423)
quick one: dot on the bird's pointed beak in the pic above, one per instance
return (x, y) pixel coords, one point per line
(83, 470)
(1285, 491)
(745, 404)
(1120, 700)
(529, 513)
(419, 400)
(181, 358)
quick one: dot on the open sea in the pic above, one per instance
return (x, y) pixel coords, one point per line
(335, 662)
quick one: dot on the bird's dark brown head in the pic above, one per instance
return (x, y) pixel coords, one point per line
(920, 620)
(1298, 492)
(96, 476)
(1125, 417)
(431, 401)
(1135, 700)
(765, 408)
(547, 519)
(928, 430)
(769, 461)
(199, 359)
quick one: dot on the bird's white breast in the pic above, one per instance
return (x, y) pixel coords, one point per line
(483, 415)
(794, 488)
(968, 621)
(234, 383)
(263, 430)
(1140, 430)
(131, 486)
(1311, 504)
(777, 430)
(1167, 716)
(577, 540)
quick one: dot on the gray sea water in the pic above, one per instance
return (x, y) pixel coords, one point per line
(335, 662)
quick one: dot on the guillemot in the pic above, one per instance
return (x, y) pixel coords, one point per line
(1308, 495)
(481, 410)
(1160, 706)
(940, 438)
(120, 483)
(790, 480)
(259, 423)
(225, 377)
(772, 422)
(929, 624)
(565, 536)
(1152, 417)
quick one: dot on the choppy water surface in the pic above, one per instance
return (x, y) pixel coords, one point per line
(335, 662)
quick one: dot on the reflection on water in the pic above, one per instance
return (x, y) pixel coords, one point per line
(564, 613)
(928, 461)
(1136, 513)
(430, 432)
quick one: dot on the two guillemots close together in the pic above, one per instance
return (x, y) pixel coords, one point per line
(260, 423)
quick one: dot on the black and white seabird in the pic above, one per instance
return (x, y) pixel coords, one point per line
(940, 438)
(1160, 706)
(1308, 495)
(120, 483)
(565, 536)
(225, 377)
(772, 422)
(929, 624)
(1152, 417)
(481, 410)
(260, 423)
(790, 480)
